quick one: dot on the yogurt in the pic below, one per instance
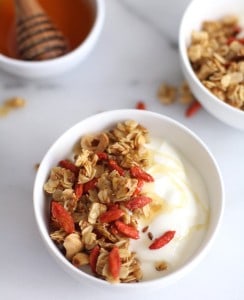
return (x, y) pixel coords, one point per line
(180, 203)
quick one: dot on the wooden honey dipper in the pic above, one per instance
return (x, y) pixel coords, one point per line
(36, 36)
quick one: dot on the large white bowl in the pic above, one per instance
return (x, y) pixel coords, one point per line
(197, 12)
(191, 147)
(56, 66)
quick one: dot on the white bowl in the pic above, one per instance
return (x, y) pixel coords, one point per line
(197, 12)
(56, 66)
(160, 126)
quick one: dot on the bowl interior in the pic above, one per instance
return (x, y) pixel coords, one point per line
(159, 126)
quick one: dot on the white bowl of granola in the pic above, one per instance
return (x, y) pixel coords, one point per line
(211, 53)
(128, 199)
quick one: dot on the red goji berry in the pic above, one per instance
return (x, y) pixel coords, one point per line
(111, 215)
(89, 185)
(162, 240)
(78, 190)
(193, 108)
(112, 206)
(114, 166)
(69, 165)
(63, 217)
(127, 230)
(102, 155)
(139, 186)
(138, 173)
(137, 202)
(93, 258)
(235, 39)
(140, 105)
(114, 262)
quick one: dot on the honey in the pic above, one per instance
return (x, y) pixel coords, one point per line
(73, 17)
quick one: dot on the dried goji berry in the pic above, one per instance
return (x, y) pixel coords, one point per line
(114, 262)
(111, 215)
(137, 202)
(67, 164)
(193, 108)
(127, 230)
(102, 155)
(138, 173)
(162, 240)
(111, 206)
(235, 39)
(78, 190)
(114, 166)
(89, 185)
(140, 105)
(140, 183)
(93, 258)
(63, 217)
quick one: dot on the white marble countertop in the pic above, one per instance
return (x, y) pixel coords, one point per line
(135, 53)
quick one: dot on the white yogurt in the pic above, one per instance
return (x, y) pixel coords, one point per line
(180, 203)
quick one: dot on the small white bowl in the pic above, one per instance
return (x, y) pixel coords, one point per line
(56, 66)
(191, 147)
(197, 12)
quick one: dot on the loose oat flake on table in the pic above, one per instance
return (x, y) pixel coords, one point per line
(97, 200)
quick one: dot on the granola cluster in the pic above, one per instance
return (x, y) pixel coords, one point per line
(11, 104)
(168, 93)
(216, 54)
(96, 201)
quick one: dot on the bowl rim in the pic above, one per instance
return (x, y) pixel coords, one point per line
(162, 281)
(94, 31)
(186, 62)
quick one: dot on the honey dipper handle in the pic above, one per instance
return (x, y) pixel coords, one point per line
(25, 8)
(37, 38)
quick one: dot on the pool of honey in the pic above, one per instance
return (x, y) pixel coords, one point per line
(73, 17)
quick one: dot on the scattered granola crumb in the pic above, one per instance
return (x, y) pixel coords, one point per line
(161, 266)
(37, 165)
(185, 94)
(11, 104)
(167, 93)
(182, 93)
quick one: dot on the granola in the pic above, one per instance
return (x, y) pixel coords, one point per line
(96, 201)
(216, 54)
(11, 104)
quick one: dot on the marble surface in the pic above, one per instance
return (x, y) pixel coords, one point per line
(135, 53)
